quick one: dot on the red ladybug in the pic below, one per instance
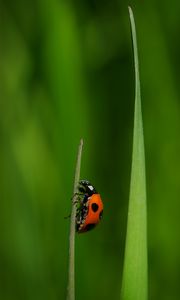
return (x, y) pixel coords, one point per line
(90, 207)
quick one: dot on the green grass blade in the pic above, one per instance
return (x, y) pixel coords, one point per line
(134, 283)
(71, 274)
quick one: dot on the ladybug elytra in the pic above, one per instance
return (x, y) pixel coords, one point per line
(90, 207)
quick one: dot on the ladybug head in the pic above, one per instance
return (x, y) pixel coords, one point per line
(86, 187)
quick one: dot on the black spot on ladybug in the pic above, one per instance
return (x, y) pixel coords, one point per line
(94, 207)
(90, 226)
(100, 214)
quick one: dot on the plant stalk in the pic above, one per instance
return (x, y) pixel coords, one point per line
(71, 274)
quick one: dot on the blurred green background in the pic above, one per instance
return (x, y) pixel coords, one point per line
(66, 72)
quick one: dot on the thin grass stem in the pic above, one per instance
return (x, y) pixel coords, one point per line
(71, 274)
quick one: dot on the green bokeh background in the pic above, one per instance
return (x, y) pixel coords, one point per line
(66, 72)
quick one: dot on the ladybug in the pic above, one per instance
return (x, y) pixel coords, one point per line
(90, 207)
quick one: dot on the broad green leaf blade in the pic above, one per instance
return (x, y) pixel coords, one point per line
(134, 284)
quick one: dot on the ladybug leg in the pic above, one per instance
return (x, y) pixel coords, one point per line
(67, 217)
(78, 197)
(75, 201)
